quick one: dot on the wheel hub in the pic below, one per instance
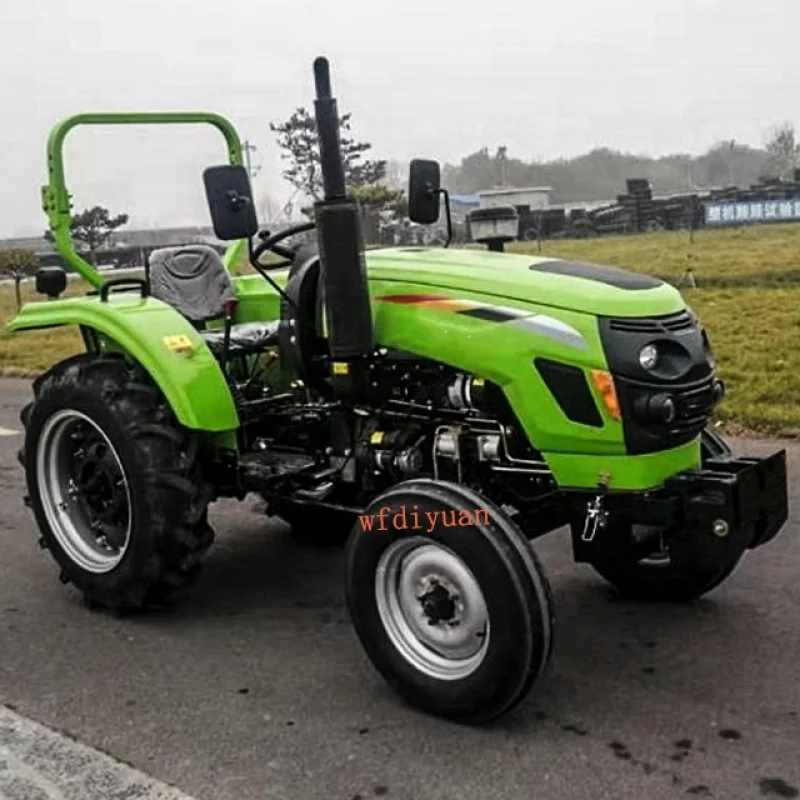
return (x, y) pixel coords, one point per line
(99, 484)
(84, 491)
(432, 608)
(439, 604)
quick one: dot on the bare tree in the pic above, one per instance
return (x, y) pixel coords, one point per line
(299, 142)
(16, 265)
(784, 150)
(268, 208)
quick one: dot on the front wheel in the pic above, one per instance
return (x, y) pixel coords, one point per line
(657, 577)
(448, 600)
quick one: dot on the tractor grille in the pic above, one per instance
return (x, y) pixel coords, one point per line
(694, 406)
(673, 323)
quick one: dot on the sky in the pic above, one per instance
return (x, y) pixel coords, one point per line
(436, 79)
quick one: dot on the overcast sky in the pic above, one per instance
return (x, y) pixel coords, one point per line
(422, 77)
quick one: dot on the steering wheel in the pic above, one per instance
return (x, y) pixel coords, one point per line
(271, 242)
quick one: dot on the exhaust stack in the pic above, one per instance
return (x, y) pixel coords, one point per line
(344, 273)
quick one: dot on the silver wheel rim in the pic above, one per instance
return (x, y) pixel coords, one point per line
(432, 608)
(93, 532)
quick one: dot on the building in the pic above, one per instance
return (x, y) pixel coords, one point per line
(530, 197)
(462, 204)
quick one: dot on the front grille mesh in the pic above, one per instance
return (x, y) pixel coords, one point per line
(669, 324)
(693, 408)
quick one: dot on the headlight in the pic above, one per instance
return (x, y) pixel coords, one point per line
(648, 356)
(659, 408)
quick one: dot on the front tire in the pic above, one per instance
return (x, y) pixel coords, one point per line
(458, 620)
(657, 577)
(114, 484)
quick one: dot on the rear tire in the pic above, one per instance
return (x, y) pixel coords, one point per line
(459, 621)
(115, 484)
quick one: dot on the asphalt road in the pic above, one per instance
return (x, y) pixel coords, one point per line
(255, 687)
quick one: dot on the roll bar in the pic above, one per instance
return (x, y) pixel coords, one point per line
(57, 201)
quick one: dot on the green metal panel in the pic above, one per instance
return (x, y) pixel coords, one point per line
(509, 276)
(56, 199)
(628, 473)
(193, 383)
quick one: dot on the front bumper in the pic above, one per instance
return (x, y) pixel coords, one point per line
(744, 498)
(707, 517)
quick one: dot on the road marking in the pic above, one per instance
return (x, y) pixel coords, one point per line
(7, 431)
(35, 761)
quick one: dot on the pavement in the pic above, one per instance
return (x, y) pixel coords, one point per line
(255, 686)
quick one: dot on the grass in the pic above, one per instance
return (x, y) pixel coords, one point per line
(747, 256)
(28, 353)
(755, 333)
(748, 297)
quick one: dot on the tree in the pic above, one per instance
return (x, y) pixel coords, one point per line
(268, 208)
(18, 264)
(381, 198)
(299, 141)
(783, 149)
(92, 228)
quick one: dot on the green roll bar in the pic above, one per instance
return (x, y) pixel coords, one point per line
(57, 201)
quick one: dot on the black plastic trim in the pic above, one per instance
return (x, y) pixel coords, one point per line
(491, 314)
(612, 276)
(569, 387)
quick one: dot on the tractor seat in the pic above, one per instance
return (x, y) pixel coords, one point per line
(193, 280)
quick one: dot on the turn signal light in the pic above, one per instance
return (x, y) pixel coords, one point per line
(604, 384)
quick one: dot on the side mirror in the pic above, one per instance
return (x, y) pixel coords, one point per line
(51, 281)
(230, 201)
(424, 187)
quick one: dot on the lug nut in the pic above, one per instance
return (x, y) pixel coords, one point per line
(720, 528)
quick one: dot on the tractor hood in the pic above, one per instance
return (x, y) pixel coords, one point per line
(576, 286)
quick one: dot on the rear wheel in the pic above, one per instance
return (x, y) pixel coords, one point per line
(458, 619)
(114, 484)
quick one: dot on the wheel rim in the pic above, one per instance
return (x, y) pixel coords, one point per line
(84, 491)
(432, 608)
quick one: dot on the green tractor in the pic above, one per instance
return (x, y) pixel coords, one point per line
(440, 408)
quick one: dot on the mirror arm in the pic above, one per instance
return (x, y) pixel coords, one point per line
(449, 219)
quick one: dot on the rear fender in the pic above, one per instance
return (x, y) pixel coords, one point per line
(158, 338)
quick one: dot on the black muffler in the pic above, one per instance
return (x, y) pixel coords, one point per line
(344, 272)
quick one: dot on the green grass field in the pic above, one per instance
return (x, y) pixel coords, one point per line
(727, 258)
(748, 296)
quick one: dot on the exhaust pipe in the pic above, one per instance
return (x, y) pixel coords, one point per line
(344, 272)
